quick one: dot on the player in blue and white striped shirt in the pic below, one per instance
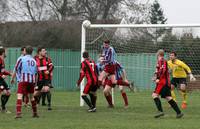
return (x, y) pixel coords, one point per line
(27, 70)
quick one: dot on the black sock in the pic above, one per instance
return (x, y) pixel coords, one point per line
(43, 95)
(158, 104)
(174, 106)
(49, 98)
(87, 101)
(93, 99)
(4, 100)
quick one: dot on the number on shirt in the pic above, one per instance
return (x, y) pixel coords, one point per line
(31, 63)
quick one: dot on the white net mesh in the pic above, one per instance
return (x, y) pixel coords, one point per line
(136, 48)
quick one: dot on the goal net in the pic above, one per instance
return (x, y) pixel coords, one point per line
(136, 47)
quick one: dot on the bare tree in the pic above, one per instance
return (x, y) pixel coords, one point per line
(34, 10)
(3, 10)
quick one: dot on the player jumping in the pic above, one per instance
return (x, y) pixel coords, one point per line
(179, 73)
(162, 81)
(110, 66)
(89, 70)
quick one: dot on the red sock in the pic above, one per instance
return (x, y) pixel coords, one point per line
(34, 107)
(125, 98)
(109, 99)
(19, 107)
(122, 83)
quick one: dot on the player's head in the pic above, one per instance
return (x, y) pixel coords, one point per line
(85, 55)
(29, 50)
(172, 55)
(23, 50)
(42, 51)
(101, 59)
(106, 44)
(2, 52)
(160, 53)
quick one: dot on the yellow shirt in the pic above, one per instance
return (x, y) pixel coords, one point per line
(179, 69)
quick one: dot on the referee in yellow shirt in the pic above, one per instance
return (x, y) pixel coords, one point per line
(179, 74)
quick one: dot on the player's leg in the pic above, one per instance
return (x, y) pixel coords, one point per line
(173, 85)
(121, 82)
(32, 97)
(43, 96)
(124, 96)
(85, 93)
(158, 104)
(184, 95)
(93, 94)
(174, 105)
(46, 90)
(20, 94)
(107, 92)
(101, 77)
(37, 92)
(5, 96)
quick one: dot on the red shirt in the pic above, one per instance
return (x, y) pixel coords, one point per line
(162, 72)
(88, 69)
(44, 64)
(2, 68)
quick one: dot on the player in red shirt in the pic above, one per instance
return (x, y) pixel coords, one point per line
(162, 81)
(4, 88)
(45, 68)
(89, 70)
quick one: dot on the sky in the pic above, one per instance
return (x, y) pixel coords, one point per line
(181, 11)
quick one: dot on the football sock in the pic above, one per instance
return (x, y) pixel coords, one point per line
(18, 107)
(43, 95)
(48, 98)
(34, 107)
(93, 99)
(184, 95)
(87, 101)
(122, 83)
(4, 100)
(125, 98)
(174, 106)
(173, 95)
(158, 104)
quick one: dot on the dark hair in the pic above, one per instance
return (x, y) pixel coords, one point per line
(23, 48)
(29, 50)
(107, 41)
(2, 50)
(173, 52)
(40, 49)
(85, 54)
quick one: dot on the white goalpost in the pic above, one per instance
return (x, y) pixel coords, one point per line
(137, 53)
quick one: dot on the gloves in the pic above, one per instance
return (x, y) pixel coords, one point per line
(192, 78)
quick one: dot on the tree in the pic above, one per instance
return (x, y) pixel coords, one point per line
(3, 10)
(157, 17)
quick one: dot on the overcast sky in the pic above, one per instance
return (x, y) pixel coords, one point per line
(181, 11)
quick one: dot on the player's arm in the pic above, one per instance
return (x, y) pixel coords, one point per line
(51, 66)
(188, 70)
(82, 74)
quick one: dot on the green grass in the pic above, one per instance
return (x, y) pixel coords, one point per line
(67, 114)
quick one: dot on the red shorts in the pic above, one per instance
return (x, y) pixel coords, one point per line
(25, 88)
(110, 69)
(90, 87)
(108, 82)
(163, 90)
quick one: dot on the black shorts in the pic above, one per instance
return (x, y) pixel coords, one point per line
(42, 83)
(165, 92)
(177, 81)
(3, 85)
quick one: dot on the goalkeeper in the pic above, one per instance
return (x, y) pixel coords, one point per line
(179, 74)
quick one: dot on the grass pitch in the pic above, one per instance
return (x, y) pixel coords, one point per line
(67, 114)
